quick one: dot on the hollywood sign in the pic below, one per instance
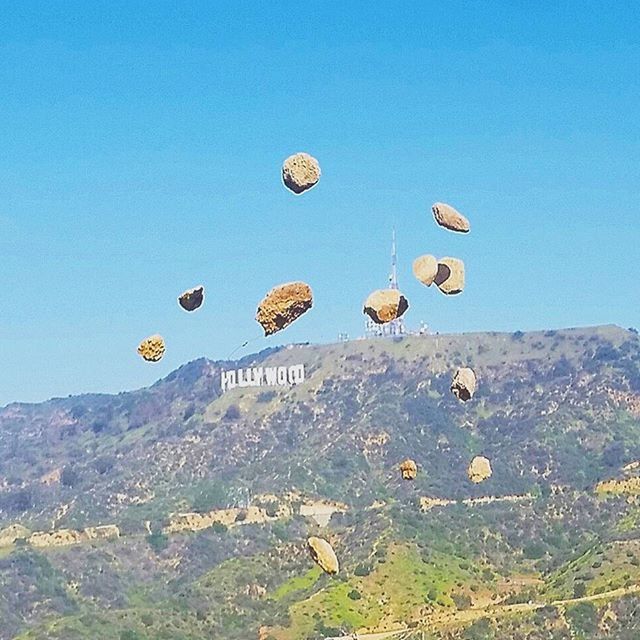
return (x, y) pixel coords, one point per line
(262, 377)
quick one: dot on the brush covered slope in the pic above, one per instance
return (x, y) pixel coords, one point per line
(180, 511)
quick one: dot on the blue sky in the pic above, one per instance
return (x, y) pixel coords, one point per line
(141, 146)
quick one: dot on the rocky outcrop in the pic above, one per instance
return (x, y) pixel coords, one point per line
(59, 538)
(152, 348)
(427, 503)
(300, 172)
(446, 216)
(228, 517)
(321, 511)
(283, 305)
(450, 276)
(12, 533)
(630, 486)
(51, 478)
(479, 469)
(463, 385)
(64, 537)
(409, 469)
(425, 269)
(385, 305)
(103, 532)
(322, 552)
(191, 299)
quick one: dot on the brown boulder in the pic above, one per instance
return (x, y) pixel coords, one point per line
(152, 348)
(191, 299)
(446, 216)
(463, 384)
(425, 269)
(450, 276)
(409, 469)
(385, 305)
(282, 305)
(479, 469)
(300, 172)
(322, 553)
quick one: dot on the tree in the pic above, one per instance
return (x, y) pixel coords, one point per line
(212, 496)
(232, 413)
(362, 570)
(613, 455)
(158, 541)
(69, 477)
(583, 618)
(479, 630)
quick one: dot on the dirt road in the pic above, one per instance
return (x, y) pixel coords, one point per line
(439, 621)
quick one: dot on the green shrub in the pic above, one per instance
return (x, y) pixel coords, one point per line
(158, 541)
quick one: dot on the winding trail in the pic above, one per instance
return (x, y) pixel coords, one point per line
(439, 621)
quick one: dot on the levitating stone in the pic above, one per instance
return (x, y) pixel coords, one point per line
(282, 305)
(152, 348)
(479, 469)
(300, 172)
(191, 299)
(322, 552)
(385, 305)
(446, 216)
(409, 469)
(425, 269)
(450, 276)
(463, 384)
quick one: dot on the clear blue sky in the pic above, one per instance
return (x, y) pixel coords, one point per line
(140, 154)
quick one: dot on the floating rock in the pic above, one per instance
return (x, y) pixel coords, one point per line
(425, 269)
(385, 305)
(191, 299)
(479, 469)
(282, 305)
(450, 276)
(152, 348)
(446, 216)
(322, 552)
(463, 384)
(300, 172)
(409, 469)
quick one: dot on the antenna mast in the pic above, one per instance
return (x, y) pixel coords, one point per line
(393, 277)
(395, 327)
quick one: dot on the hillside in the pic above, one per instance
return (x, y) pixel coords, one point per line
(180, 511)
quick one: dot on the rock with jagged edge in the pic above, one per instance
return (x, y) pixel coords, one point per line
(425, 269)
(463, 385)
(450, 276)
(322, 552)
(300, 172)
(192, 299)
(385, 305)
(449, 218)
(283, 305)
(152, 348)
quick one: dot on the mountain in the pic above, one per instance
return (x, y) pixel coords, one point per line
(182, 510)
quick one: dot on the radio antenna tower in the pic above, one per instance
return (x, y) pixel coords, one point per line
(393, 276)
(395, 327)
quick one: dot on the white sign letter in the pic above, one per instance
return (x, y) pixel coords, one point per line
(270, 374)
